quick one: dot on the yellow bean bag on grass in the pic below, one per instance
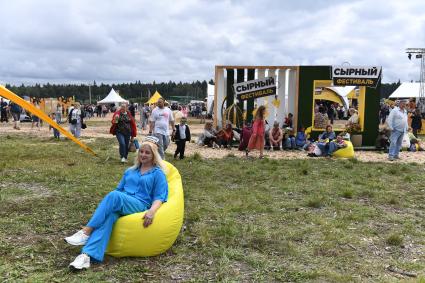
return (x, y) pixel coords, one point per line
(346, 152)
(130, 238)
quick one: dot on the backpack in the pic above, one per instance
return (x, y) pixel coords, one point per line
(70, 120)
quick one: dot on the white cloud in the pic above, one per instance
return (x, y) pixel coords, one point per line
(129, 40)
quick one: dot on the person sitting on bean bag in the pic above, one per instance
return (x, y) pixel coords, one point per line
(334, 145)
(143, 187)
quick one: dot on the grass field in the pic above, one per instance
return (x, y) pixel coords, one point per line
(245, 220)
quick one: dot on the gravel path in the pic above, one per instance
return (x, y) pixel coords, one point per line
(100, 129)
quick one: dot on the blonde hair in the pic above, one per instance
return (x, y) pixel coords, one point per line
(157, 160)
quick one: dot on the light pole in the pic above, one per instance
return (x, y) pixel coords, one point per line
(419, 54)
(89, 93)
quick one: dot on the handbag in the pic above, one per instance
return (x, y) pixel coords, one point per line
(132, 147)
(406, 141)
(113, 129)
(136, 143)
(83, 126)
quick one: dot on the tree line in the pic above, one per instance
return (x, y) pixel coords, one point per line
(136, 92)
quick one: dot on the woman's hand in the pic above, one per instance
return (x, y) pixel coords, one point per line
(148, 218)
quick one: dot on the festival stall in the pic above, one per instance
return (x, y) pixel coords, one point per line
(299, 90)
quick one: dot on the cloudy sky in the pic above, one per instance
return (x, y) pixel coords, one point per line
(80, 41)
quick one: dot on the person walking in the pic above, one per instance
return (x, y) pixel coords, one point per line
(132, 109)
(397, 122)
(416, 123)
(15, 110)
(160, 120)
(256, 140)
(181, 136)
(58, 114)
(34, 118)
(124, 127)
(3, 111)
(144, 116)
(75, 119)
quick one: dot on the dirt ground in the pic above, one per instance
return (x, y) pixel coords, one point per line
(99, 128)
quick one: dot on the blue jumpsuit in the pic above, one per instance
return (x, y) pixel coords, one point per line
(135, 193)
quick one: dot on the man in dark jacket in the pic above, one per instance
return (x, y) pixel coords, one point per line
(132, 109)
(3, 111)
(182, 135)
(15, 110)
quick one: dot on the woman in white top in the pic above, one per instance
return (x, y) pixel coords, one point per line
(75, 120)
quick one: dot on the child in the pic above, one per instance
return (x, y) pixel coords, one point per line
(181, 135)
(256, 141)
(245, 136)
(301, 138)
(56, 133)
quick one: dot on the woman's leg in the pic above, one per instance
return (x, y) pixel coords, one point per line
(127, 144)
(177, 149)
(109, 210)
(293, 145)
(98, 242)
(121, 142)
(77, 130)
(415, 132)
(72, 129)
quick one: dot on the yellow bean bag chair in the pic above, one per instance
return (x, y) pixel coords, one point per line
(346, 152)
(130, 238)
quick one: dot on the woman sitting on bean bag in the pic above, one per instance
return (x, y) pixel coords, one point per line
(143, 187)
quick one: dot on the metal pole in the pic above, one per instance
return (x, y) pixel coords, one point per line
(89, 94)
(422, 84)
(419, 54)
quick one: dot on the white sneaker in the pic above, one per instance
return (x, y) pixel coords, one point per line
(78, 239)
(80, 262)
(123, 160)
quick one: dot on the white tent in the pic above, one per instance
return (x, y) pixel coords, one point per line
(343, 92)
(406, 90)
(112, 98)
(210, 98)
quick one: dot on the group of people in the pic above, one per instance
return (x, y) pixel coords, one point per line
(395, 131)
(159, 119)
(258, 135)
(324, 116)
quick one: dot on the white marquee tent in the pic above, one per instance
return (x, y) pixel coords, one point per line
(210, 98)
(406, 90)
(112, 98)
